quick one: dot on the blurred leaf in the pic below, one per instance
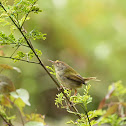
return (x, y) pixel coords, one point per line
(109, 94)
(5, 116)
(1, 53)
(35, 117)
(33, 123)
(5, 66)
(18, 102)
(4, 101)
(17, 69)
(111, 110)
(102, 103)
(23, 94)
(123, 103)
(6, 84)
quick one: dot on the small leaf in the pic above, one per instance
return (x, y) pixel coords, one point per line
(1, 53)
(18, 102)
(102, 103)
(35, 117)
(109, 94)
(5, 66)
(4, 101)
(23, 94)
(17, 69)
(34, 123)
(35, 34)
(111, 110)
(123, 103)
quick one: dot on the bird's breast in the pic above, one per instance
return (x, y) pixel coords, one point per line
(67, 83)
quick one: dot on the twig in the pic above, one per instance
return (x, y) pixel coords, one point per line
(8, 123)
(15, 51)
(17, 109)
(86, 112)
(19, 59)
(41, 63)
(28, 13)
(14, 44)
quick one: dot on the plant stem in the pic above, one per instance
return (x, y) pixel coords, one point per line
(8, 123)
(14, 44)
(86, 112)
(12, 102)
(40, 62)
(19, 59)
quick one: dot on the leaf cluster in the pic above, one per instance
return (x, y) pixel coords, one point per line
(18, 13)
(19, 99)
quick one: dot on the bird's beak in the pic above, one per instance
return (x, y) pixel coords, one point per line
(51, 61)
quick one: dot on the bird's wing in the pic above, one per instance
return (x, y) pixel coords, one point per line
(76, 78)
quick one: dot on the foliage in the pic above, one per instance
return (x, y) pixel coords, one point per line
(18, 13)
(19, 98)
(83, 101)
(115, 111)
(114, 114)
(52, 70)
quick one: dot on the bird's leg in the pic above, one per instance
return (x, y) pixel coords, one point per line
(75, 93)
(60, 88)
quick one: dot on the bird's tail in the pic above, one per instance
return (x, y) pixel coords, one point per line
(91, 78)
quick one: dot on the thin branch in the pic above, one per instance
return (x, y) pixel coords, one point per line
(19, 59)
(23, 123)
(15, 51)
(41, 63)
(17, 109)
(86, 112)
(8, 123)
(28, 14)
(9, 15)
(14, 44)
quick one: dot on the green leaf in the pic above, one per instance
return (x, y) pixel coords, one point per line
(59, 99)
(35, 34)
(36, 9)
(6, 39)
(34, 123)
(4, 115)
(52, 70)
(23, 94)
(18, 102)
(38, 52)
(111, 110)
(35, 117)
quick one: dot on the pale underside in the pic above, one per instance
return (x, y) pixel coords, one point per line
(69, 82)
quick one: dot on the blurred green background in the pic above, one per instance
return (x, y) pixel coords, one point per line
(89, 35)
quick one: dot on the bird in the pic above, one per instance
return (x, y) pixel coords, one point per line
(68, 77)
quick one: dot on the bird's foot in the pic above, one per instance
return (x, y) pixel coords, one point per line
(60, 88)
(75, 93)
